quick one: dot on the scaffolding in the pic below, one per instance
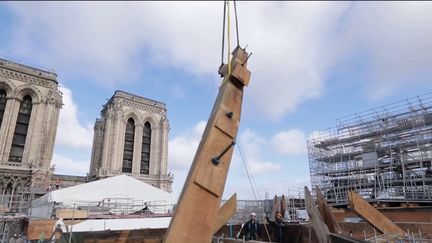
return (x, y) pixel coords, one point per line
(384, 154)
(14, 209)
(295, 210)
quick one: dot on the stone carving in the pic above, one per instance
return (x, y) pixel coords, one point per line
(141, 106)
(8, 85)
(27, 78)
(54, 97)
(165, 122)
(29, 89)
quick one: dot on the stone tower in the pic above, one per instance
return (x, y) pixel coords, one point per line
(30, 103)
(131, 137)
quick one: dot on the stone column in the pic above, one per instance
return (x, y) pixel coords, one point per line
(44, 126)
(120, 144)
(4, 127)
(96, 148)
(155, 150)
(50, 138)
(136, 162)
(34, 133)
(113, 145)
(164, 147)
(106, 141)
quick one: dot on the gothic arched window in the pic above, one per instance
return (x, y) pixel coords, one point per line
(145, 152)
(128, 146)
(21, 128)
(2, 104)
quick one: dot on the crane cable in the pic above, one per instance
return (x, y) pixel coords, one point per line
(227, 23)
(252, 183)
(248, 172)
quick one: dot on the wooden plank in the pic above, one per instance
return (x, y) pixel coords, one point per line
(241, 74)
(72, 214)
(197, 210)
(326, 213)
(320, 228)
(224, 120)
(225, 212)
(40, 228)
(283, 206)
(130, 236)
(276, 207)
(372, 215)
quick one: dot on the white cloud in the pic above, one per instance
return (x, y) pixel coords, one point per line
(395, 37)
(68, 166)
(253, 147)
(182, 148)
(295, 44)
(181, 152)
(291, 42)
(289, 186)
(70, 133)
(291, 142)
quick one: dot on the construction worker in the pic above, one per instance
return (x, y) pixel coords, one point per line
(13, 239)
(251, 230)
(278, 232)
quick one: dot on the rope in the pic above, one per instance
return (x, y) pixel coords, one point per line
(223, 33)
(227, 22)
(251, 176)
(227, 16)
(236, 20)
(229, 38)
(251, 181)
(247, 169)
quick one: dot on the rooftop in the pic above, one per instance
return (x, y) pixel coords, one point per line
(36, 72)
(137, 98)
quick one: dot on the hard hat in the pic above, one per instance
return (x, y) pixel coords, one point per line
(252, 214)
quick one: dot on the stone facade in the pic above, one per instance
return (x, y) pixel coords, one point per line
(131, 137)
(30, 102)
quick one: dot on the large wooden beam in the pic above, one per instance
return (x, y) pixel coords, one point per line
(320, 228)
(197, 210)
(326, 214)
(372, 215)
(283, 206)
(276, 207)
(226, 212)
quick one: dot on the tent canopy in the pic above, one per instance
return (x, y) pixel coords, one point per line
(115, 189)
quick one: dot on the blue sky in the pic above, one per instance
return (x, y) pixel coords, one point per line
(312, 62)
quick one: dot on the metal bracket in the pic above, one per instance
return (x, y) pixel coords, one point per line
(216, 160)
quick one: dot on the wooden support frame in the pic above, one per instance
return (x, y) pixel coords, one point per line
(320, 228)
(372, 215)
(226, 212)
(326, 214)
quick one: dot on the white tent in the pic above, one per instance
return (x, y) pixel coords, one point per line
(123, 191)
(121, 224)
